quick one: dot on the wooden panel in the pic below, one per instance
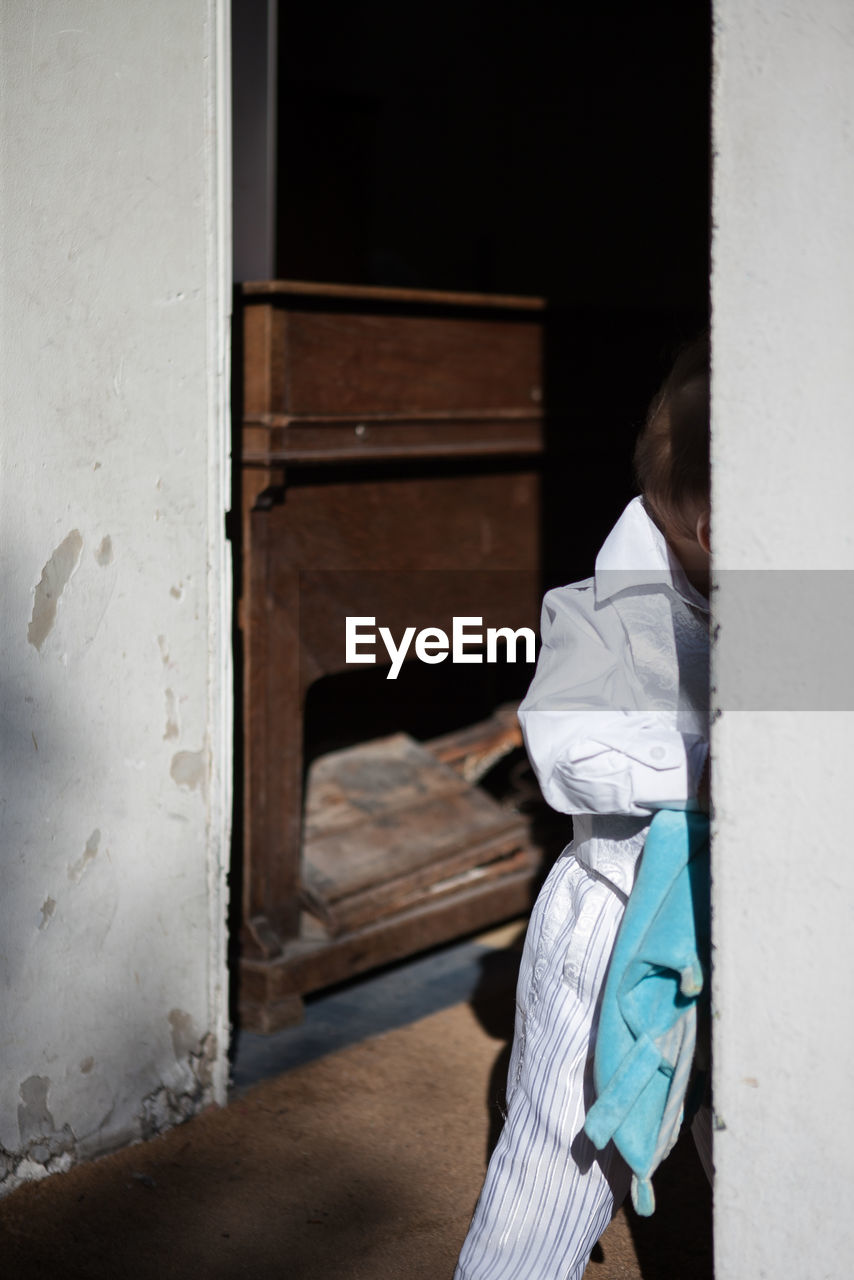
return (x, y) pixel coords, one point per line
(352, 364)
(257, 363)
(271, 439)
(345, 388)
(274, 759)
(410, 552)
(370, 295)
(344, 351)
(307, 965)
(466, 521)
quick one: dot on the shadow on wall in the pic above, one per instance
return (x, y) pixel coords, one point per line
(91, 1061)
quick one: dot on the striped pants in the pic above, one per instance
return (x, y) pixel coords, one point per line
(548, 1193)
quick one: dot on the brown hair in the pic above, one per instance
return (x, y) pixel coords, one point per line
(672, 451)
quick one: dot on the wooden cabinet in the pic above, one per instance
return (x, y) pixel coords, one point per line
(389, 460)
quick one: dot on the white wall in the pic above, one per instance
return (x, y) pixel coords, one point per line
(115, 730)
(783, 460)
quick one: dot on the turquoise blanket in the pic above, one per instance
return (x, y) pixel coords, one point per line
(648, 1021)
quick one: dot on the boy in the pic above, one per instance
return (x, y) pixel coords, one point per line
(616, 726)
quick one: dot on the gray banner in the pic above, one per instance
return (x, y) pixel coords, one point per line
(783, 640)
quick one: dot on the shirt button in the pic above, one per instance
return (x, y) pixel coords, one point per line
(657, 753)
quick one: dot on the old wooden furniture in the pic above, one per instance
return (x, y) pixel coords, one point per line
(389, 455)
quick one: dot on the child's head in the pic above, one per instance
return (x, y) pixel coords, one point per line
(672, 452)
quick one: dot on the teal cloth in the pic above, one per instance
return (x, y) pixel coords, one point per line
(648, 1019)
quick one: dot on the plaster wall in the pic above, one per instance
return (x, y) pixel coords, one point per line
(783, 525)
(114, 657)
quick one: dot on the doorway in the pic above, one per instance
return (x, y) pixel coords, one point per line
(561, 155)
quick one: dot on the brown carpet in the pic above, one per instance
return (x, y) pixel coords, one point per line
(363, 1165)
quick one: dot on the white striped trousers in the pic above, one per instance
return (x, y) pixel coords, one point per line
(548, 1193)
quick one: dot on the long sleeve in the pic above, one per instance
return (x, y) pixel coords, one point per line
(598, 739)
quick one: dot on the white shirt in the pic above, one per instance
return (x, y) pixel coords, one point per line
(616, 718)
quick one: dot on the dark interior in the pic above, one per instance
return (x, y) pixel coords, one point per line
(561, 150)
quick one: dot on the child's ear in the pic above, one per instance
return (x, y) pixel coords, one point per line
(703, 522)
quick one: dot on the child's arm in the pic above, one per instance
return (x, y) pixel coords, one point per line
(594, 744)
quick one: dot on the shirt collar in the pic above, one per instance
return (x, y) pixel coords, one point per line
(635, 554)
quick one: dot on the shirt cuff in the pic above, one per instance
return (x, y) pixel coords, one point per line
(667, 776)
(635, 771)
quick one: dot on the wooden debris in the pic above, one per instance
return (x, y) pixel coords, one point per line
(388, 822)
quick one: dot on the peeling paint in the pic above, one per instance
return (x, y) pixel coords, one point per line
(44, 1148)
(31, 1171)
(104, 554)
(33, 1114)
(48, 909)
(172, 727)
(164, 1107)
(188, 769)
(41, 1141)
(184, 1037)
(54, 579)
(90, 853)
(204, 1060)
(164, 651)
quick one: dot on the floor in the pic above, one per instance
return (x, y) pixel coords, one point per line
(353, 1147)
(382, 1001)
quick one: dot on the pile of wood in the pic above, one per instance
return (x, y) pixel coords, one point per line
(392, 820)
